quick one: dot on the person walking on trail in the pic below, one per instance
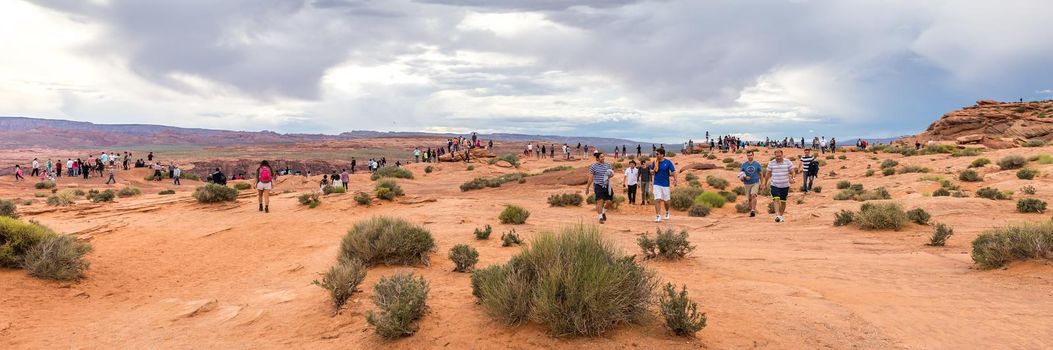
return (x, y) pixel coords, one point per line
(806, 162)
(176, 174)
(416, 155)
(35, 171)
(345, 178)
(645, 182)
(601, 173)
(664, 171)
(632, 180)
(822, 145)
(264, 184)
(750, 175)
(112, 179)
(780, 177)
(18, 173)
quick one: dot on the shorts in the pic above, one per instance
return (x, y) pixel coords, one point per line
(780, 193)
(751, 189)
(603, 193)
(261, 186)
(661, 193)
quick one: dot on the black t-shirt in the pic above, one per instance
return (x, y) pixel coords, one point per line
(645, 174)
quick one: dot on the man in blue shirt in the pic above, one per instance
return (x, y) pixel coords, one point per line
(750, 176)
(663, 170)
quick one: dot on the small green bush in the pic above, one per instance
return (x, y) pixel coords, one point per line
(8, 209)
(881, 216)
(386, 240)
(464, 257)
(716, 182)
(888, 171)
(919, 216)
(428, 169)
(728, 196)
(1026, 174)
(513, 214)
(1029, 190)
(907, 169)
(333, 189)
(940, 233)
(62, 199)
(698, 210)
(57, 257)
(44, 185)
(342, 281)
(401, 302)
(869, 173)
(739, 190)
(710, 199)
(1043, 159)
(480, 183)
(214, 193)
(691, 177)
(565, 200)
(889, 163)
(16, 239)
(666, 245)
(967, 152)
(128, 192)
(510, 238)
(241, 186)
(970, 175)
(484, 233)
(979, 163)
(844, 217)
(388, 189)
(680, 313)
(743, 207)
(105, 196)
(991, 193)
(558, 168)
(510, 158)
(941, 192)
(392, 172)
(682, 198)
(1012, 162)
(728, 160)
(843, 184)
(996, 247)
(363, 198)
(1030, 205)
(166, 192)
(1034, 143)
(310, 199)
(470, 168)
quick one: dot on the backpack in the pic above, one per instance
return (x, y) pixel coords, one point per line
(813, 168)
(265, 174)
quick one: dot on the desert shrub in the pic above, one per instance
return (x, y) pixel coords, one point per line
(57, 257)
(938, 148)
(716, 182)
(940, 233)
(333, 189)
(241, 186)
(889, 163)
(739, 190)
(62, 199)
(428, 169)
(510, 158)
(979, 163)
(166, 192)
(710, 199)
(386, 240)
(833, 173)
(8, 209)
(771, 207)
(401, 302)
(388, 189)
(1030, 205)
(310, 199)
(1029, 190)
(967, 152)
(1026, 173)
(481, 182)
(680, 313)
(919, 216)
(464, 257)
(996, 247)
(364, 198)
(1043, 159)
(858, 194)
(510, 238)
(40, 194)
(667, 245)
(16, 239)
(969, 175)
(484, 233)
(44, 185)
(557, 168)
(733, 166)
(906, 169)
(698, 210)
(470, 168)
(881, 216)
(841, 157)
(888, 171)
(843, 184)
(1034, 143)
(391, 171)
(743, 207)
(869, 173)
(682, 198)
(214, 193)
(856, 187)
(728, 196)
(691, 177)
(342, 280)
(844, 217)
(513, 214)
(78, 192)
(565, 200)
(991, 193)
(614, 203)
(728, 160)
(1012, 162)
(105, 196)
(570, 282)
(128, 192)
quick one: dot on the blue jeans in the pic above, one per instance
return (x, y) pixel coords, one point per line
(808, 180)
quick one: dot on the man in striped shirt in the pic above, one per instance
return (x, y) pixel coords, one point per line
(600, 173)
(809, 178)
(779, 176)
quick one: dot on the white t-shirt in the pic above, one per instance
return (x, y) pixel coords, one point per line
(780, 173)
(631, 175)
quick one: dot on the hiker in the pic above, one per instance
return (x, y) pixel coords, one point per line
(344, 178)
(663, 170)
(111, 179)
(806, 161)
(264, 184)
(176, 174)
(632, 180)
(822, 145)
(353, 164)
(601, 173)
(150, 157)
(833, 145)
(157, 172)
(750, 176)
(325, 182)
(35, 171)
(336, 179)
(18, 173)
(58, 168)
(780, 177)
(84, 169)
(218, 177)
(645, 182)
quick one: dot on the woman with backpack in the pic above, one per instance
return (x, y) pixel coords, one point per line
(264, 185)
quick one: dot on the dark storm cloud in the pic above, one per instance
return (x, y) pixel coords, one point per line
(531, 5)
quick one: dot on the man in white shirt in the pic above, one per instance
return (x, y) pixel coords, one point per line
(779, 175)
(632, 178)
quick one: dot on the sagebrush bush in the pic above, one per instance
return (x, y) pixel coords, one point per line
(401, 301)
(710, 199)
(62, 198)
(979, 163)
(513, 214)
(129, 192)
(680, 313)
(970, 175)
(844, 217)
(682, 198)
(843, 184)
(470, 168)
(1030, 205)
(743, 207)
(166, 192)
(1034, 143)
(570, 282)
(967, 152)
(1029, 190)
(907, 169)
(44, 185)
(386, 240)
(667, 245)
(716, 182)
(739, 190)
(889, 163)
(557, 168)
(1026, 174)
(565, 200)
(8, 209)
(480, 182)
(215, 193)
(17, 237)
(996, 247)
(105, 196)
(310, 199)
(991, 193)
(510, 158)
(57, 257)
(510, 238)
(941, 192)
(484, 233)
(940, 234)
(428, 169)
(888, 171)
(1043, 159)
(388, 189)
(1012, 162)
(690, 177)
(391, 171)
(919, 216)
(869, 173)
(363, 198)
(241, 186)
(464, 258)
(342, 280)
(881, 216)
(728, 196)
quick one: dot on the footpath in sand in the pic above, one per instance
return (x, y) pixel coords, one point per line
(168, 272)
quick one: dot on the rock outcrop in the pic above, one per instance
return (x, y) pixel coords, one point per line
(476, 153)
(992, 124)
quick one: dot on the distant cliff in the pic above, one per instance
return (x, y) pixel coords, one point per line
(993, 124)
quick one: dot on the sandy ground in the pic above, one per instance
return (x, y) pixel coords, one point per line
(170, 273)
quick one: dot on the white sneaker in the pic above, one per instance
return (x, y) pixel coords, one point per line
(657, 218)
(667, 216)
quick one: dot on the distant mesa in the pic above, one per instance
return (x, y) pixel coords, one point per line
(992, 124)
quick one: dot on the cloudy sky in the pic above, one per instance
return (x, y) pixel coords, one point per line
(662, 70)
